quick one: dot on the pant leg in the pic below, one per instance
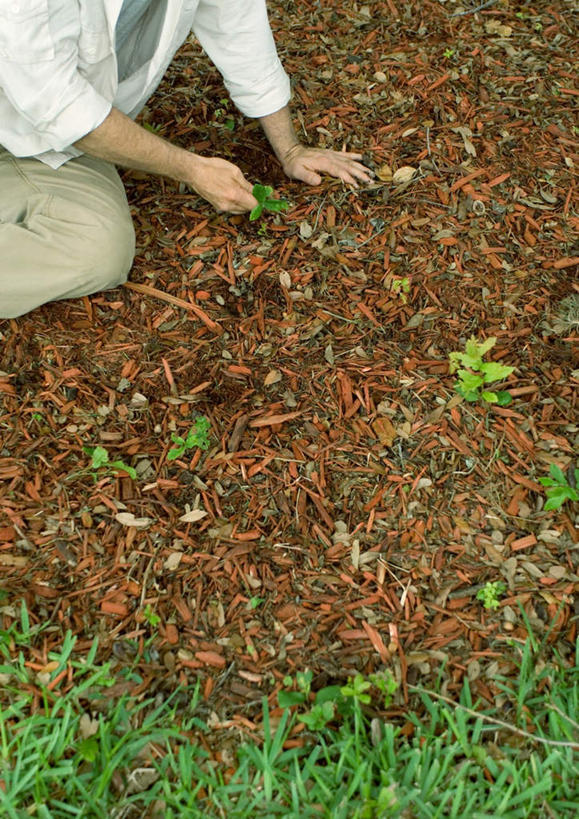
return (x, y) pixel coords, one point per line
(63, 233)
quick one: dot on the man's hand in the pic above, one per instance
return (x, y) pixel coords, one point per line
(306, 164)
(222, 184)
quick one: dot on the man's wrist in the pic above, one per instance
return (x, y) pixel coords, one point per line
(279, 130)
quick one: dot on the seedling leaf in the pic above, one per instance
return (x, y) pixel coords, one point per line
(504, 398)
(470, 381)
(131, 472)
(262, 192)
(288, 698)
(491, 397)
(558, 474)
(494, 371)
(256, 213)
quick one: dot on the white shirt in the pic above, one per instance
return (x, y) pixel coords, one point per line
(59, 71)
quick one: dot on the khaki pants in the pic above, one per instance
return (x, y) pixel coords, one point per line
(63, 233)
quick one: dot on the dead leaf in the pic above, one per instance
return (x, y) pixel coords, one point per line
(329, 354)
(385, 431)
(128, 519)
(193, 515)
(87, 726)
(172, 561)
(384, 173)
(404, 174)
(305, 230)
(272, 377)
(285, 279)
(496, 27)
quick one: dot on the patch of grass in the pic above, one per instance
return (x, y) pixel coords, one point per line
(82, 753)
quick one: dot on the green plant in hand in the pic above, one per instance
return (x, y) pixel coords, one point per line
(474, 373)
(490, 593)
(100, 459)
(559, 489)
(198, 436)
(264, 202)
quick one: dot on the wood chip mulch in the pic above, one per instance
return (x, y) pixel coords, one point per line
(351, 504)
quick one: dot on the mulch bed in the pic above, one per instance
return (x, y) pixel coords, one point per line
(354, 503)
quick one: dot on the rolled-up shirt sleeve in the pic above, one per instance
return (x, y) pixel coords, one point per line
(237, 37)
(45, 101)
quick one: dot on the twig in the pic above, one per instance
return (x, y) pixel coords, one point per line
(564, 715)
(148, 290)
(555, 742)
(474, 11)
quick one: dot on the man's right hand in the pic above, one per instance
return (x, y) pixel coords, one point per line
(222, 184)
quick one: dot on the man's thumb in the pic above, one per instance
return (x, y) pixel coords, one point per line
(310, 177)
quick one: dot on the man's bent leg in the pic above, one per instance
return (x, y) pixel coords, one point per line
(63, 233)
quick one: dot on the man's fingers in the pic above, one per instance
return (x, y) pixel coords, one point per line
(349, 154)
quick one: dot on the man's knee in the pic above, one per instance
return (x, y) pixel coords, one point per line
(101, 246)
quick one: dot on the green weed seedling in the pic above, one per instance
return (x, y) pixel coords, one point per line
(198, 436)
(100, 460)
(401, 287)
(490, 593)
(264, 202)
(559, 489)
(474, 373)
(151, 616)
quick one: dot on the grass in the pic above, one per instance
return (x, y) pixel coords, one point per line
(84, 753)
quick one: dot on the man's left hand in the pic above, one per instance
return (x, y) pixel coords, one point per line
(306, 164)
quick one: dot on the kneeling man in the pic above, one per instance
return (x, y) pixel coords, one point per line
(73, 76)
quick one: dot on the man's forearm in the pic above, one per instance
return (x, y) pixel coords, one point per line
(120, 140)
(279, 130)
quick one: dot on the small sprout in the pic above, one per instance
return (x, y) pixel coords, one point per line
(198, 436)
(264, 202)
(319, 716)
(150, 616)
(559, 489)
(471, 381)
(490, 593)
(256, 601)
(449, 52)
(357, 688)
(401, 287)
(100, 458)
(384, 682)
